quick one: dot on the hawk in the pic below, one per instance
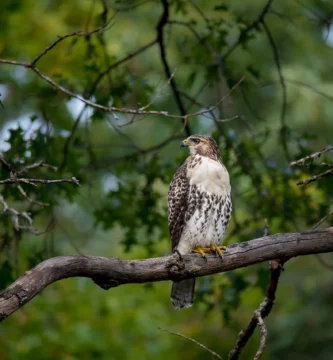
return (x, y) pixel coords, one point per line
(199, 208)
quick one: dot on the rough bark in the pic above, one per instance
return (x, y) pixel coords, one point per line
(113, 272)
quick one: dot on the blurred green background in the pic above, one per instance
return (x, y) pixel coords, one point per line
(125, 163)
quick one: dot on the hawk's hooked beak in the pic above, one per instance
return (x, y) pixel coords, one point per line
(184, 143)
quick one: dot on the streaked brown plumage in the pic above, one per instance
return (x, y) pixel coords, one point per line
(199, 207)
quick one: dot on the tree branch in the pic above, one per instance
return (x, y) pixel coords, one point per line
(15, 180)
(263, 311)
(75, 33)
(160, 39)
(113, 272)
(263, 337)
(315, 177)
(308, 159)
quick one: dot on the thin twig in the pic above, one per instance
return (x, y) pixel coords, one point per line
(16, 217)
(25, 195)
(36, 165)
(322, 220)
(75, 33)
(16, 180)
(194, 341)
(122, 61)
(311, 157)
(73, 180)
(315, 177)
(263, 335)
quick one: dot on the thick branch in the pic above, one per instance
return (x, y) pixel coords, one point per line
(113, 272)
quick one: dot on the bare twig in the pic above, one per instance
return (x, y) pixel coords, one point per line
(14, 180)
(263, 334)
(120, 62)
(75, 33)
(194, 341)
(36, 165)
(322, 220)
(315, 177)
(16, 215)
(29, 199)
(308, 159)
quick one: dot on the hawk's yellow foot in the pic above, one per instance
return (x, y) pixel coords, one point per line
(218, 249)
(201, 251)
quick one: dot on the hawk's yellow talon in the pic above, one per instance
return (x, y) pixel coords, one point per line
(201, 251)
(218, 249)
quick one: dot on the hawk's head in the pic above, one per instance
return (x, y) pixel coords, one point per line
(202, 145)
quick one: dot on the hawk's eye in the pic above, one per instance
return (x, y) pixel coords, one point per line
(196, 141)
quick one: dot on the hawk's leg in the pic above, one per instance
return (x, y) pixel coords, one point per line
(179, 254)
(218, 249)
(201, 251)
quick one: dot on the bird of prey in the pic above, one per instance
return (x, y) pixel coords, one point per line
(199, 208)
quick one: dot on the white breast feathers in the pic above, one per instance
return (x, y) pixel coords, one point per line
(209, 175)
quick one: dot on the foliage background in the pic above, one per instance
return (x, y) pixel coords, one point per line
(285, 112)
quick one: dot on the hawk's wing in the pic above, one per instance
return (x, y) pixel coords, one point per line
(177, 204)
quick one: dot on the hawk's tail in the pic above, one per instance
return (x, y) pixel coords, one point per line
(182, 293)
